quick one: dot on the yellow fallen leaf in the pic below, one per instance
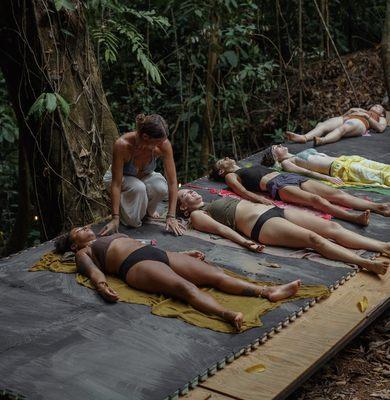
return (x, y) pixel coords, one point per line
(363, 304)
(255, 368)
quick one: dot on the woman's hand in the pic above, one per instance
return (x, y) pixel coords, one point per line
(106, 292)
(253, 246)
(173, 225)
(195, 253)
(335, 180)
(265, 200)
(111, 227)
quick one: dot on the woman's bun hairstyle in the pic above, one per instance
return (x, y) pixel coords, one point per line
(63, 243)
(153, 125)
(214, 174)
(268, 158)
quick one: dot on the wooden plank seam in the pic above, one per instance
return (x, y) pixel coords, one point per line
(256, 343)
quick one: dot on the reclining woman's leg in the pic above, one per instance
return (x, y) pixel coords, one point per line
(157, 277)
(321, 129)
(333, 230)
(201, 273)
(345, 199)
(282, 232)
(293, 194)
(347, 130)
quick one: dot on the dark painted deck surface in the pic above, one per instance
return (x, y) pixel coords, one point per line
(59, 340)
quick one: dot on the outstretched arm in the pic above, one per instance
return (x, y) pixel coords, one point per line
(289, 166)
(203, 222)
(116, 183)
(86, 267)
(170, 173)
(234, 184)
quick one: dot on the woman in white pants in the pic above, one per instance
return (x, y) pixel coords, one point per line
(135, 187)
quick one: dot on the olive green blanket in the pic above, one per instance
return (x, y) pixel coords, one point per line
(252, 308)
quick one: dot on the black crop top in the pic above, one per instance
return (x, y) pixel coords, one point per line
(251, 177)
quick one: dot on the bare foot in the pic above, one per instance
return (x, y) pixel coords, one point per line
(378, 267)
(295, 138)
(154, 215)
(235, 318)
(383, 209)
(386, 250)
(280, 292)
(238, 320)
(317, 141)
(363, 218)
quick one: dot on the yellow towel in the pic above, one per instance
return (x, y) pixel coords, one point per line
(356, 170)
(251, 307)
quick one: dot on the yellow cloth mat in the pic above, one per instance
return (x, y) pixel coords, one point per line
(356, 170)
(251, 307)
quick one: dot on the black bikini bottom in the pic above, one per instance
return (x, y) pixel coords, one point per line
(271, 213)
(148, 252)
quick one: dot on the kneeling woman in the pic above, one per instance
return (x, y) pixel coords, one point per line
(290, 188)
(275, 226)
(152, 270)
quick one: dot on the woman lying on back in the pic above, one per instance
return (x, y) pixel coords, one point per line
(153, 270)
(355, 122)
(290, 188)
(266, 224)
(351, 169)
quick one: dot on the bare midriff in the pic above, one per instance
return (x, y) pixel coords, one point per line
(247, 213)
(117, 252)
(316, 163)
(265, 179)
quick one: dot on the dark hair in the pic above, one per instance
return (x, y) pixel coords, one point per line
(179, 211)
(63, 243)
(268, 158)
(153, 125)
(214, 174)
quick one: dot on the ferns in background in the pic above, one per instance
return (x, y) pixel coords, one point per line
(118, 33)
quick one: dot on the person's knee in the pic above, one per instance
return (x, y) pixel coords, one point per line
(137, 187)
(158, 189)
(185, 290)
(334, 227)
(220, 279)
(318, 201)
(316, 241)
(338, 195)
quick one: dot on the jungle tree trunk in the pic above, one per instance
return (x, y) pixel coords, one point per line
(300, 59)
(49, 51)
(325, 36)
(386, 47)
(208, 118)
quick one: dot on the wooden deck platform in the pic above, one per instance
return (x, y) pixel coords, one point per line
(290, 358)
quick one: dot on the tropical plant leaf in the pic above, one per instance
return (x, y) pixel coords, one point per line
(64, 105)
(67, 4)
(38, 107)
(255, 368)
(363, 304)
(51, 102)
(231, 57)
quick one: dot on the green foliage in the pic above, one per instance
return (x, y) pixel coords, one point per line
(154, 58)
(8, 130)
(49, 102)
(67, 4)
(119, 33)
